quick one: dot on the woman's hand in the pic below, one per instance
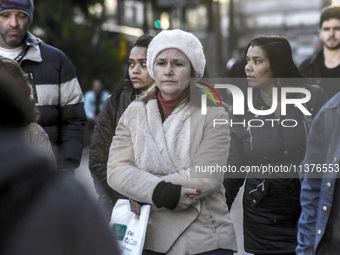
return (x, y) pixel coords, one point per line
(188, 198)
(135, 207)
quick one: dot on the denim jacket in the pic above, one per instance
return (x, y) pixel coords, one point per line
(323, 150)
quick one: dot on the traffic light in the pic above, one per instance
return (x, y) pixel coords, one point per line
(123, 48)
(163, 22)
(158, 24)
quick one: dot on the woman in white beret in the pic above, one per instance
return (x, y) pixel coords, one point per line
(160, 140)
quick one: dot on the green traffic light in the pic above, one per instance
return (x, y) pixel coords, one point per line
(158, 24)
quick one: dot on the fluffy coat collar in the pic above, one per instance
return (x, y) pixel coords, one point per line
(160, 147)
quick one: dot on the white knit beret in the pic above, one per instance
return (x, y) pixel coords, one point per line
(181, 40)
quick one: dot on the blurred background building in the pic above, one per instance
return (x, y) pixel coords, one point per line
(223, 26)
(97, 34)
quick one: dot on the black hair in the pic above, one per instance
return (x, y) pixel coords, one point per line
(329, 12)
(142, 41)
(279, 53)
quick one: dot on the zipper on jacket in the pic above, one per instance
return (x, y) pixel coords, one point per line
(34, 90)
(258, 186)
(262, 184)
(250, 138)
(250, 134)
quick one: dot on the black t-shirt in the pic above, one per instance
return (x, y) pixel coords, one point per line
(330, 84)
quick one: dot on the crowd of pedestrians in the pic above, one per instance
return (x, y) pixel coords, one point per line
(148, 136)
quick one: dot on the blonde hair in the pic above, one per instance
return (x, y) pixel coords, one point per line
(152, 93)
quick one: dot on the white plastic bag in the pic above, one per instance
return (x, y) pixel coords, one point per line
(129, 229)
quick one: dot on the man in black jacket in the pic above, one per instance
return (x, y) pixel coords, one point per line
(324, 67)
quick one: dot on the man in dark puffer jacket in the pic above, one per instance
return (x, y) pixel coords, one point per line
(55, 86)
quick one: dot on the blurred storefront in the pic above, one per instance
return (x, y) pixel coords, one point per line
(222, 25)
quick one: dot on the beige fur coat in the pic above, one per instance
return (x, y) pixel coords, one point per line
(146, 151)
